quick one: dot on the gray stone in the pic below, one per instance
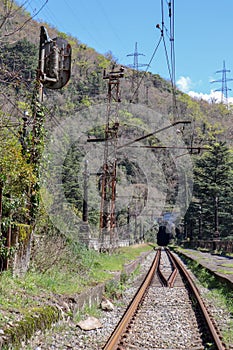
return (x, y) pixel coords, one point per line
(106, 305)
(90, 323)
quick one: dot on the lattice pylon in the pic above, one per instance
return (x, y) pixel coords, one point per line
(108, 178)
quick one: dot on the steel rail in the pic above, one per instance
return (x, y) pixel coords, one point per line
(172, 277)
(161, 277)
(113, 341)
(215, 334)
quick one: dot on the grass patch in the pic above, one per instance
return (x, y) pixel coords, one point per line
(208, 280)
(114, 289)
(93, 310)
(225, 272)
(187, 251)
(105, 264)
(77, 269)
(132, 252)
(227, 265)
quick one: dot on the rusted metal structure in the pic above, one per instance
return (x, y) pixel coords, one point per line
(54, 61)
(108, 176)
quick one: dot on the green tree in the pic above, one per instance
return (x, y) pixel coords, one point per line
(16, 177)
(71, 171)
(20, 58)
(212, 207)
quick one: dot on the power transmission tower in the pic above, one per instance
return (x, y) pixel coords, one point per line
(108, 177)
(224, 89)
(135, 66)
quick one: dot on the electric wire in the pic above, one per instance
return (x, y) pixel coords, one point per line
(26, 21)
(172, 40)
(144, 73)
(50, 17)
(167, 59)
(172, 34)
(75, 15)
(171, 63)
(109, 21)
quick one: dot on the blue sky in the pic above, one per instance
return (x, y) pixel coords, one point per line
(203, 34)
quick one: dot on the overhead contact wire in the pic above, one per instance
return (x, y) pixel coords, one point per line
(171, 64)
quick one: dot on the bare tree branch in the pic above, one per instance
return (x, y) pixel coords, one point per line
(10, 12)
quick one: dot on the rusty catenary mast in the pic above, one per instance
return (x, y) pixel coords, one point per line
(108, 177)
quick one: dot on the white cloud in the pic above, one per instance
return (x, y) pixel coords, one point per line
(184, 84)
(212, 97)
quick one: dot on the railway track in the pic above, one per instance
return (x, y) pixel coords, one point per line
(167, 312)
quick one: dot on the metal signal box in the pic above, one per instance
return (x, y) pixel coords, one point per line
(54, 62)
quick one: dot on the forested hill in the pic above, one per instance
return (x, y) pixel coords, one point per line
(19, 60)
(25, 122)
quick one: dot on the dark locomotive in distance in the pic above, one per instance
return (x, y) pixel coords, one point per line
(163, 236)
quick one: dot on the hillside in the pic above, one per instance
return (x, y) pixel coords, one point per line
(87, 86)
(148, 102)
